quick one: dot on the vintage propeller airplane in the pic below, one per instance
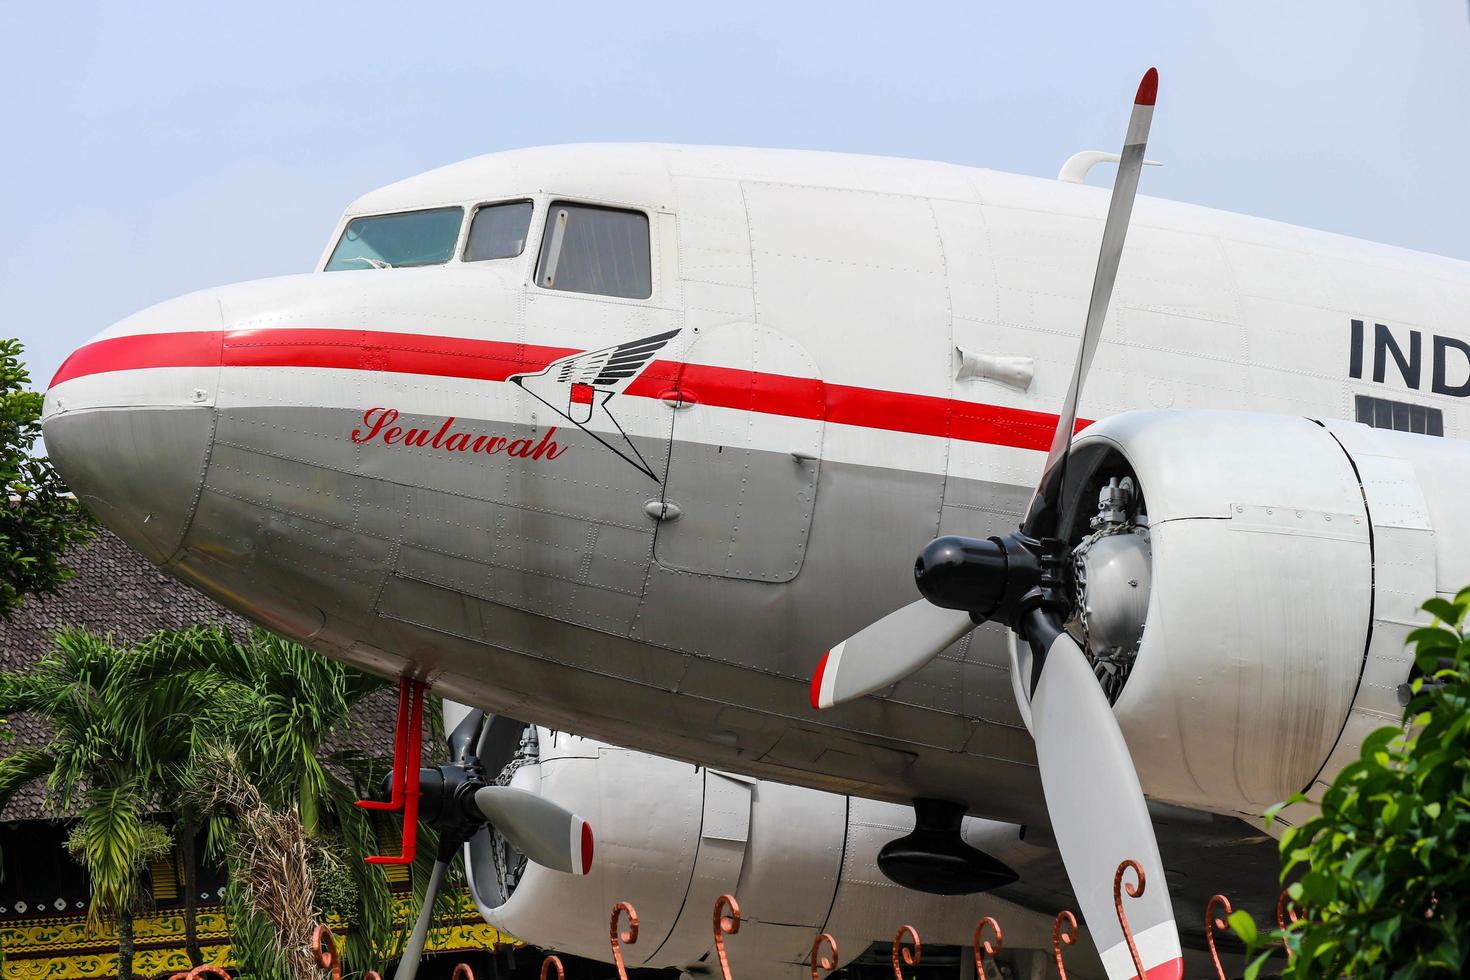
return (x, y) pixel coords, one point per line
(619, 439)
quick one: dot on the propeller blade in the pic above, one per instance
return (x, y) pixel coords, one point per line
(408, 964)
(492, 738)
(1098, 814)
(887, 651)
(465, 735)
(1115, 230)
(498, 743)
(545, 833)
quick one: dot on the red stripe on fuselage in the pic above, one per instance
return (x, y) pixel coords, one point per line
(491, 360)
(146, 350)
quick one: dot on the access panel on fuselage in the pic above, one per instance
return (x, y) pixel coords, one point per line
(746, 449)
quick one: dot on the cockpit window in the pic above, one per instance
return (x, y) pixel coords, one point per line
(587, 249)
(392, 241)
(498, 231)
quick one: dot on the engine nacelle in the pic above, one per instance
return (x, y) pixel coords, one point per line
(1288, 558)
(672, 837)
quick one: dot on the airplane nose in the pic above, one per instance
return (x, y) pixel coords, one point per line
(129, 420)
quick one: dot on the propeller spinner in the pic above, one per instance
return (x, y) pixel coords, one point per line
(1022, 579)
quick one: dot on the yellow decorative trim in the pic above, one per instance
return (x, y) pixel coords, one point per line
(63, 948)
(95, 966)
(23, 936)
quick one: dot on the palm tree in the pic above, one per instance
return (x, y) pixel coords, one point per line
(272, 897)
(100, 758)
(247, 741)
(278, 729)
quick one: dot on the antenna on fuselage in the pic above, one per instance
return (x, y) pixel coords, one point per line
(1080, 164)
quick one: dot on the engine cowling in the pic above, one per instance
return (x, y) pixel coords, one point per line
(672, 837)
(1283, 561)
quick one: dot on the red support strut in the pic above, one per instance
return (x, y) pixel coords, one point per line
(408, 747)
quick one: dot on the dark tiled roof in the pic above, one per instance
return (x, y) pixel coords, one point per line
(117, 591)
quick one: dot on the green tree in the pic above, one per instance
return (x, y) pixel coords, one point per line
(279, 728)
(250, 742)
(271, 898)
(175, 724)
(95, 698)
(1384, 869)
(109, 819)
(41, 521)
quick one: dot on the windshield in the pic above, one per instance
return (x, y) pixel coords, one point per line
(392, 241)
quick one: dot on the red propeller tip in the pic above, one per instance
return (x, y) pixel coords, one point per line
(1148, 89)
(817, 682)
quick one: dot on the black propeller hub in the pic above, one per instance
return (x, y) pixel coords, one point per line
(999, 578)
(447, 800)
(447, 792)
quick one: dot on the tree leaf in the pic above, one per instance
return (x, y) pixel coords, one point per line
(1244, 926)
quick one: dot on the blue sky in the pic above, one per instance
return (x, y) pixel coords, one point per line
(154, 149)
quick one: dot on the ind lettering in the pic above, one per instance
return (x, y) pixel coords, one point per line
(1408, 367)
(1442, 348)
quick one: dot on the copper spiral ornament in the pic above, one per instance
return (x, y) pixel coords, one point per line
(1213, 922)
(727, 922)
(1133, 892)
(209, 970)
(462, 971)
(617, 939)
(1283, 913)
(983, 947)
(324, 951)
(202, 970)
(1063, 933)
(552, 960)
(820, 961)
(906, 955)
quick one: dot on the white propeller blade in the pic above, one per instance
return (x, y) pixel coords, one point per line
(545, 833)
(1098, 814)
(886, 651)
(408, 963)
(1115, 230)
(1093, 795)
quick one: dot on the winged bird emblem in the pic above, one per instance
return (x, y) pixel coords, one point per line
(579, 387)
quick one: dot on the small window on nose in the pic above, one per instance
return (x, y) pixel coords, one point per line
(498, 231)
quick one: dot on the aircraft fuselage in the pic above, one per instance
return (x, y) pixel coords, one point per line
(644, 518)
